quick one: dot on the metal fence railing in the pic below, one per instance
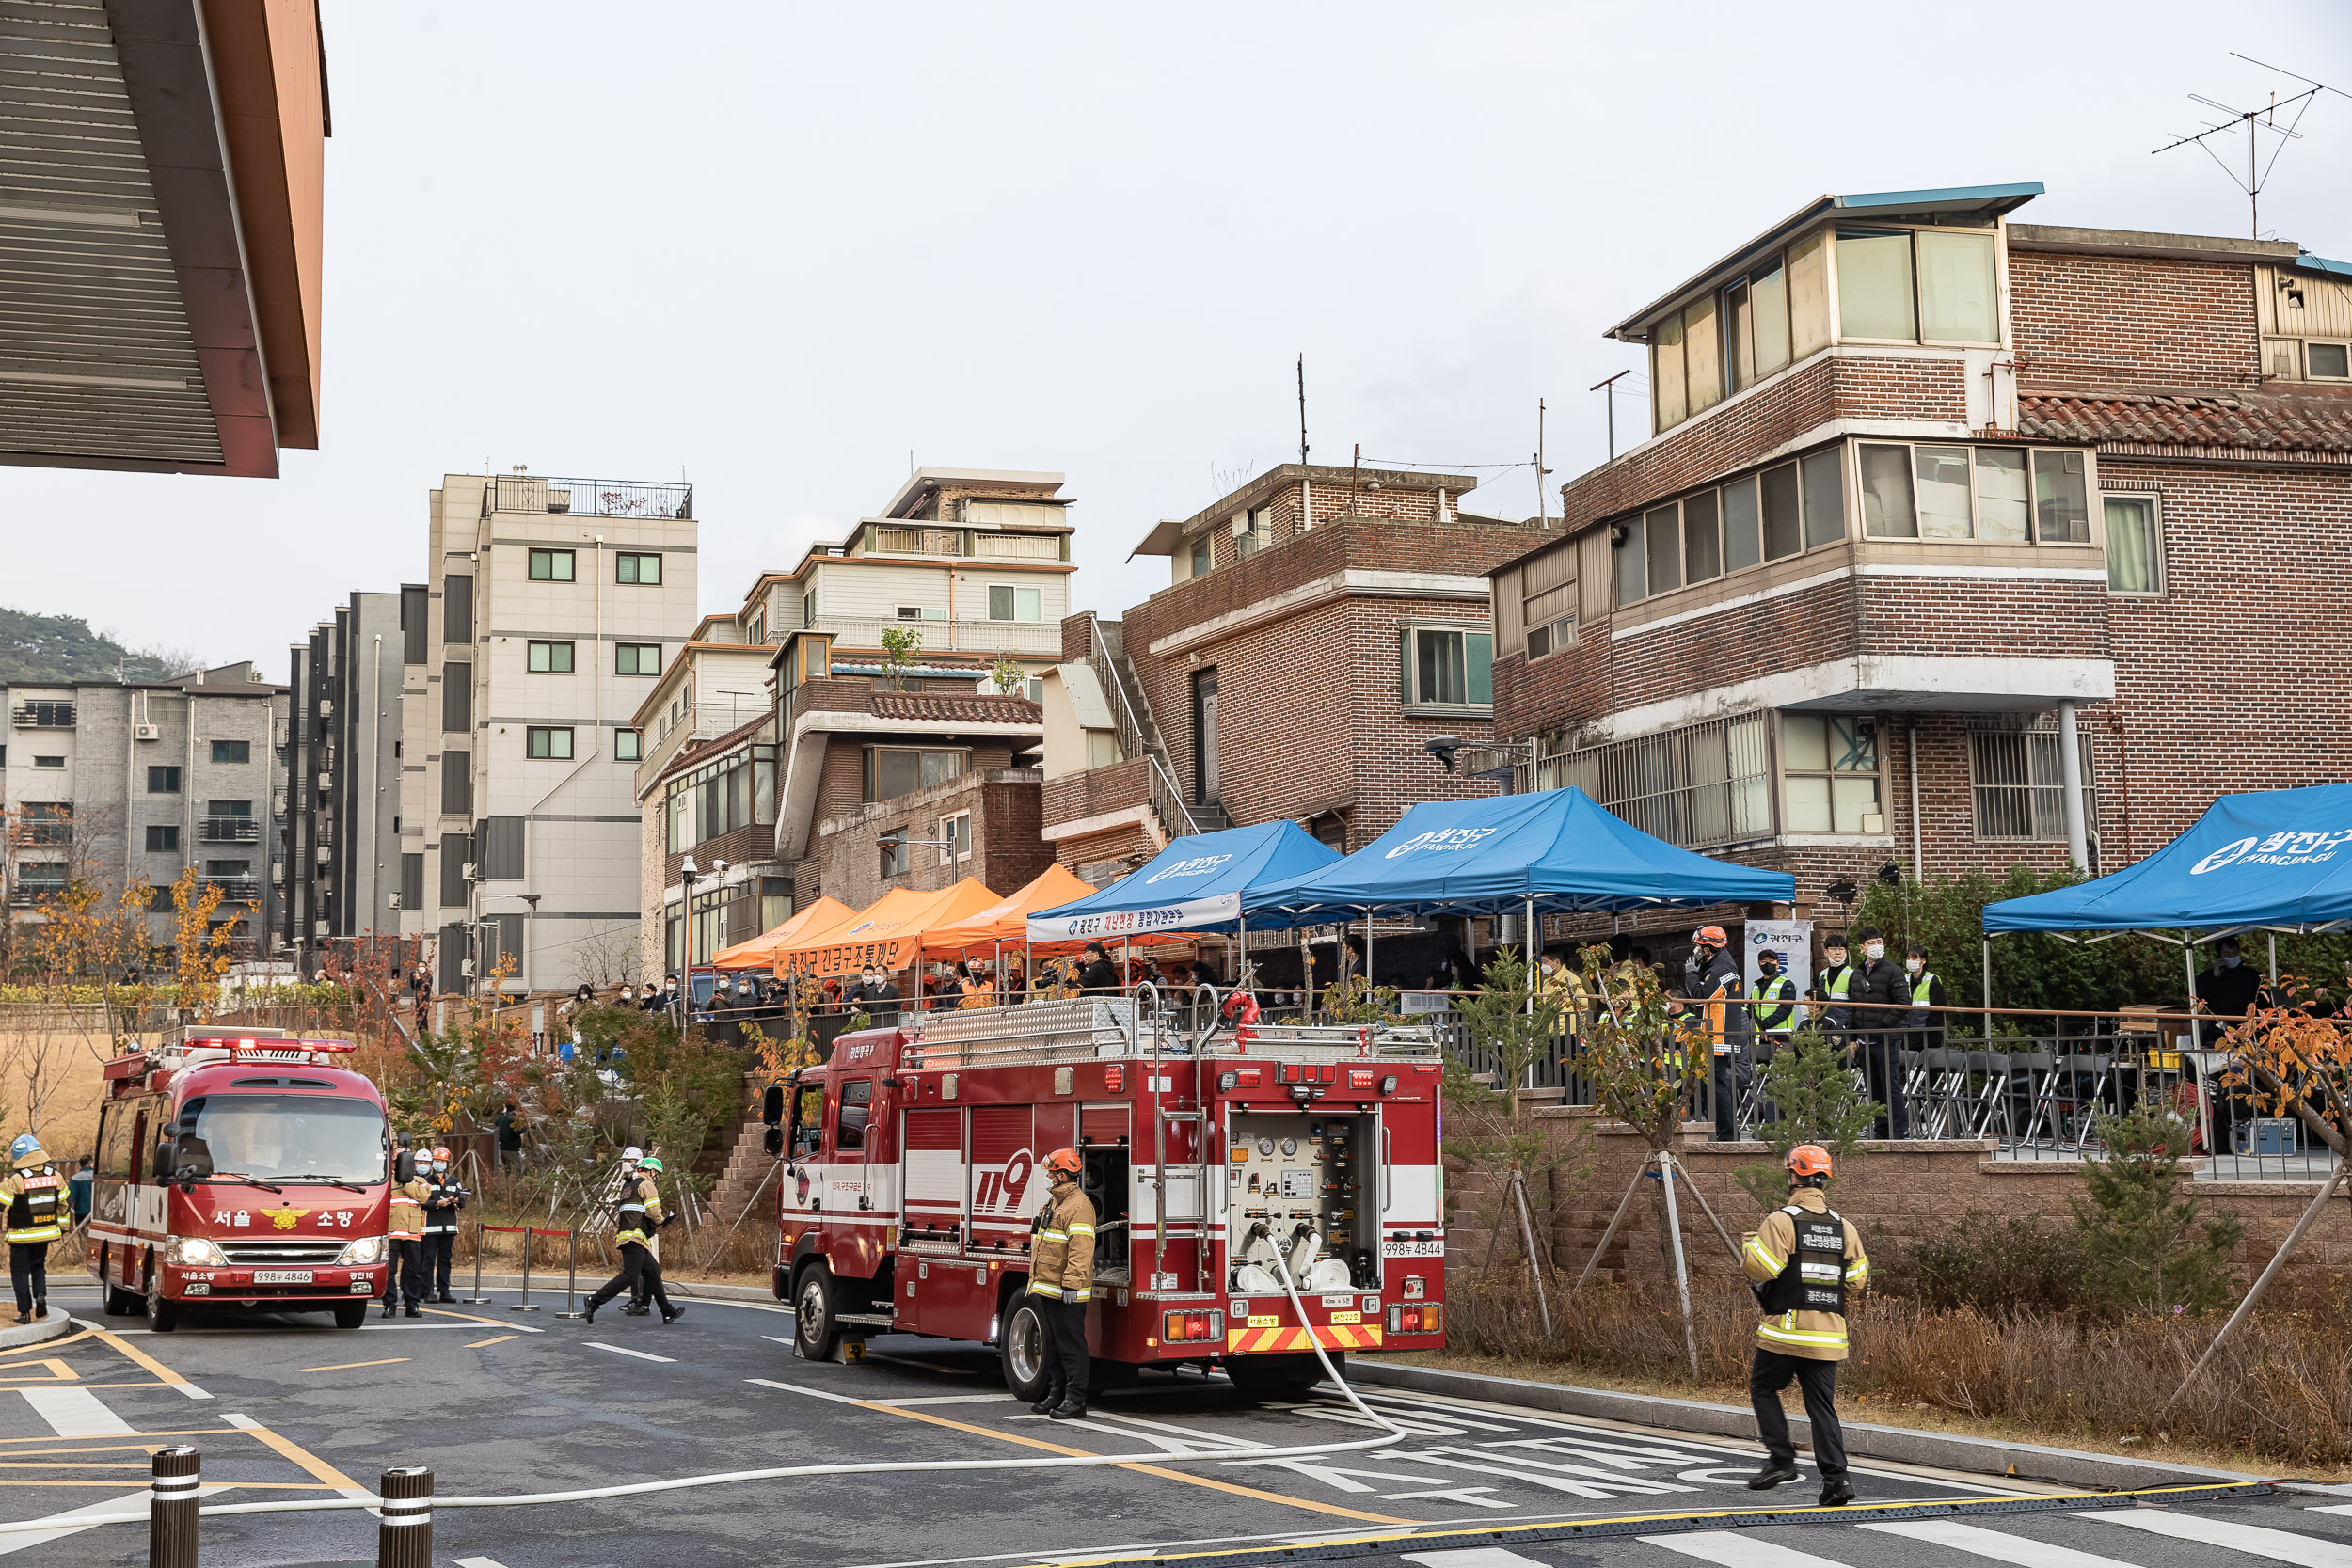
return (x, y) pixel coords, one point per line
(587, 497)
(1134, 741)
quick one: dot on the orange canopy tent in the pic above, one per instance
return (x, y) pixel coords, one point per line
(887, 933)
(759, 952)
(1007, 922)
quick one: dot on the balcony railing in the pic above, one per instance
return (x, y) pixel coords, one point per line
(1167, 800)
(947, 636)
(236, 889)
(228, 830)
(587, 497)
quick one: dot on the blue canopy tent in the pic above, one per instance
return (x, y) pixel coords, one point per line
(2276, 861)
(1198, 883)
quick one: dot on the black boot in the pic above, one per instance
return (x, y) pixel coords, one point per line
(1836, 1492)
(1045, 1407)
(590, 1314)
(40, 1307)
(672, 1314)
(1774, 1474)
(1069, 1410)
(391, 1311)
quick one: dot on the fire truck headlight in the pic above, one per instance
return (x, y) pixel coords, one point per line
(196, 1252)
(367, 1250)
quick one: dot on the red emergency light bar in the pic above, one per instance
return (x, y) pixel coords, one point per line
(241, 1044)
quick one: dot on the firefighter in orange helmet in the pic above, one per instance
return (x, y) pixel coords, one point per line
(1710, 978)
(1061, 1283)
(1802, 1264)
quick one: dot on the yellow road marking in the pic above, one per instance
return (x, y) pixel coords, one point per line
(498, 1340)
(146, 1383)
(58, 1371)
(137, 1355)
(184, 1432)
(74, 1338)
(463, 1316)
(1226, 1486)
(310, 1463)
(347, 1365)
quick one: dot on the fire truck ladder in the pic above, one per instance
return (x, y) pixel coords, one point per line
(1163, 1116)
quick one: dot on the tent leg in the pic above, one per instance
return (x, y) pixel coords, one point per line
(1988, 994)
(1367, 954)
(2188, 967)
(1535, 955)
(2274, 964)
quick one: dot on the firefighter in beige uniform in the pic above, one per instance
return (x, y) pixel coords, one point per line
(1061, 1282)
(1801, 1262)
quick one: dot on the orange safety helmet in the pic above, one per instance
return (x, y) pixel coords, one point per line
(1064, 1161)
(441, 1151)
(1711, 936)
(1809, 1163)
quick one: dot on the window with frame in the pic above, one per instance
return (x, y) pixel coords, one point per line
(1252, 531)
(39, 877)
(759, 628)
(898, 854)
(163, 780)
(1780, 512)
(1446, 667)
(2018, 785)
(2134, 545)
(1198, 554)
(856, 1110)
(46, 822)
(644, 570)
(548, 742)
(551, 566)
(955, 838)
(1011, 602)
(2328, 361)
(214, 869)
(233, 750)
(1829, 774)
(41, 761)
(895, 770)
(2000, 495)
(163, 838)
(550, 659)
(1700, 785)
(637, 658)
(627, 746)
(46, 713)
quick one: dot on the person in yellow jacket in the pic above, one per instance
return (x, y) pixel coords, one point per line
(406, 1241)
(637, 1217)
(1802, 1262)
(32, 1197)
(1061, 1283)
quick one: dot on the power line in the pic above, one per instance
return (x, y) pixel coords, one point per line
(2264, 118)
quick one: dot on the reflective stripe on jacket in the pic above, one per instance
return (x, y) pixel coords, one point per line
(408, 1209)
(1780, 992)
(1811, 1336)
(639, 1213)
(1061, 1254)
(31, 1198)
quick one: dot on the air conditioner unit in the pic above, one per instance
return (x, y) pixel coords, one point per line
(278, 871)
(464, 967)
(326, 781)
(326, 707)
(325, 855)
(147, 732)
(318, 927)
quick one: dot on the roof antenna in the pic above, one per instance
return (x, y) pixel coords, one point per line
(1302, 410)
(2254, 121)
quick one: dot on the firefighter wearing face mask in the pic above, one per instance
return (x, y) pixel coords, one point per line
(1710, 979)
(1803, 1262)
(32, 1197)
(403, 1280)
(438, 1243)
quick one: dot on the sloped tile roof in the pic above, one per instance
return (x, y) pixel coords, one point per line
(930, 706)
(2310, 420)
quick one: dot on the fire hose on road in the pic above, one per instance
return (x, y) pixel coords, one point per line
(405, 1502)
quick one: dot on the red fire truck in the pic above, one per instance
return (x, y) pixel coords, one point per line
(240, 1168)
(914, 1167)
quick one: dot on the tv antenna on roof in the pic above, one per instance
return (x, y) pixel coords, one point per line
(2254, 121)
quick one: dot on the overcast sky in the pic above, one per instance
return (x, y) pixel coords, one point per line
(780, 247)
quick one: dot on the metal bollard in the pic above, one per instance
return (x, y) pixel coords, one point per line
(171, 1508)
(403, 1534)
(476, 1299)
(526, 1305)
(571, 1280)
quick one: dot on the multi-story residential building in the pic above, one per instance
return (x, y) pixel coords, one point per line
(122, 784)
(163, 182)
(550, 608)
(1962, 543)
(341, 824)
(1324, 629)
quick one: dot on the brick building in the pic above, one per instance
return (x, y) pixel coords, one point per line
(1930, 490)
(1322, 627)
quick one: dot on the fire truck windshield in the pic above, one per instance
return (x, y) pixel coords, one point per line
(279, 1137)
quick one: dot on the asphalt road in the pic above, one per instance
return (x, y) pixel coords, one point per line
(499, 1402)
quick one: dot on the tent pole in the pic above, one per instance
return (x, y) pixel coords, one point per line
(1988, 994)
(1241, 966)
(1367, 953)
(1535, 956)
(2189, 967)
(2274, 963)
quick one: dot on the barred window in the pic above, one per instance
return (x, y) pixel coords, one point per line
(1703, 784)
(2019, 794)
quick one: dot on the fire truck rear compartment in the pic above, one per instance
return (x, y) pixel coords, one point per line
(1304, 1184)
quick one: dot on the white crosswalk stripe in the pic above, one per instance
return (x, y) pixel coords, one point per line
(74, 1413)
(2023, 1551)
(1731, 1549)
(2304, 1551)
(1473, 1557)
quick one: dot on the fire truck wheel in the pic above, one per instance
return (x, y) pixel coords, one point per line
(350, 1314)
(1274, 1377)
(162, 1316)
(1022, 1346)
(120, 1302)
(816, 1329)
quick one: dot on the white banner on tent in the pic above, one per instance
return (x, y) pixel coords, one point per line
(1792, 940)
(1182, 915)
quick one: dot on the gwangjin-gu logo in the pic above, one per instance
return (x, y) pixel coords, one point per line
(2277, 849)
(1200, 866)
(1441, 839)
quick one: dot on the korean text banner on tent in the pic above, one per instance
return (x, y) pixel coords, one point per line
(1199, 880)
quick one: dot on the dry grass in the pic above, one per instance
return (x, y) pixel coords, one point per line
(2280, 1391)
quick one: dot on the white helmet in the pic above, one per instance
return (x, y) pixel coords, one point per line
(631, 1155)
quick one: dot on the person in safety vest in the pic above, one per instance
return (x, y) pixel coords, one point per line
(1061, 1282)
(406, 1237)
(1710, 978)
(1776, 999)
(439, 1244)
(1834, 985)
(637, 1213)
(1802, 1262)
(33, 1197)
(1927, 993)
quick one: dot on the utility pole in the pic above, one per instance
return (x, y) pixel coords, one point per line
(1302, 410)
(1543, 513)
(1610, 387)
